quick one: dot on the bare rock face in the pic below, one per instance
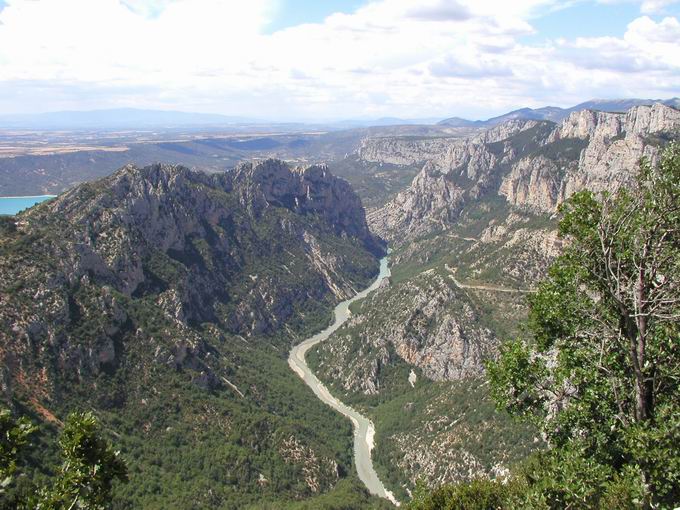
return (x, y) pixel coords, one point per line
(535, 183)
(615, 144)
(414, 322)
(246, 251)
(535, 165)
(428, 202)
(445, 153)
(457, 174)
(402, 151)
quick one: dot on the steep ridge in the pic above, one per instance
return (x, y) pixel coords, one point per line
(482, 206)
(533, 164)
(471, 236)
(614, 143)
(166, 300)
(456, 172)
(556, 114)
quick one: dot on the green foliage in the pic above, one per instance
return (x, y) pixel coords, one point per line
(348, 494)
(475, 495)
(513, 385)
(14, 435)
(7, 225)
(87, 475)
(375, 183)
(89, 470)
(600, 372)
(567, 478)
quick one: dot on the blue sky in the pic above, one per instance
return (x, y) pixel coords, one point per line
(586, 20)
(319, 60)
(296, 12)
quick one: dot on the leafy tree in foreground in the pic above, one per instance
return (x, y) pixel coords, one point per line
(14, 435)
(600, 372)
(86, 476)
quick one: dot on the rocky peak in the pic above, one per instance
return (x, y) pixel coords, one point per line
(307, 190)
(639, 120)
(245, 250)
(657, 118)
(533, 164)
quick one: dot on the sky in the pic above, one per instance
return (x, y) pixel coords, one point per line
(332, 59)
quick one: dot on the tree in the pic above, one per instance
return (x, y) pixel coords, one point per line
(599, 372)
(14, 435)
(475, 495)
(85, 479)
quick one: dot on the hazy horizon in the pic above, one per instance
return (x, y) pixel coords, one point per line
(310, 120)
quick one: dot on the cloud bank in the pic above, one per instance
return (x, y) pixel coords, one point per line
(391, 57)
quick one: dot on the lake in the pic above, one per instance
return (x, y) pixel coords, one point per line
(12, 205)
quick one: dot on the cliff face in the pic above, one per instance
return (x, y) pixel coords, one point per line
(248, 251)
(532, 164)
(426, 322)
(459, 173)
(614, 144)
(446, 154)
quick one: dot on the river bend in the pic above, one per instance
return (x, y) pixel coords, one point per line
(364, 431)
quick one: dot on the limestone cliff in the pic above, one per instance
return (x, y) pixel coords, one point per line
(614, 144)
(426, 321)
(533, 164)
(249, 251)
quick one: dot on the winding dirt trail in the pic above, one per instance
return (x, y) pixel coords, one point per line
(492, 288)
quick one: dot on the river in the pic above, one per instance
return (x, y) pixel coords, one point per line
(364, 431)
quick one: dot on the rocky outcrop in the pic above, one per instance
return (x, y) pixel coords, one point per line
(615, 144)
(458, 174)
(535, 165)
(319, 474)
(425, 321)
(534, 183)
(248, 251)
(446, 153)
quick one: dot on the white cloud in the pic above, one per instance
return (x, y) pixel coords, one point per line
(655, 6)
(391, 57)
(646, 6)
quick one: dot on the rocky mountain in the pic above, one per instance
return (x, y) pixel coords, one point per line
(431, 326)
(533, 164)
(166, 299)
(471, 236)
(479, 212)
(556, 114)
(411, 358)
(552, 113)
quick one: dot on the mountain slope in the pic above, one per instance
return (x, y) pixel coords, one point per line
(166, 300)
(556, 114)
(534, 164)
(471, 236)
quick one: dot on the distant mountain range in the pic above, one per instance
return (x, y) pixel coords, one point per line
(140, 119)
(556, 114)
(118, 118)
(133, 118)
(381, 122)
